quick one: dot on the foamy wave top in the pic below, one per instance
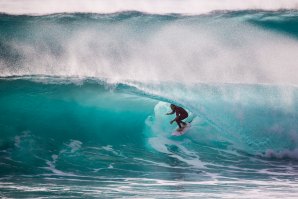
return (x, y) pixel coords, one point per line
(150, 6)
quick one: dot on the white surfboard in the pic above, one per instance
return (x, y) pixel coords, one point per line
(179, 133)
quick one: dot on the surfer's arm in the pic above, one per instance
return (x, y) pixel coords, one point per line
(170, 113)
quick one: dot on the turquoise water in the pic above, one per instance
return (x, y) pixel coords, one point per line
(83, 99)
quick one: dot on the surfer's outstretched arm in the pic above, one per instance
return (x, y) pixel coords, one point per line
(170, 113)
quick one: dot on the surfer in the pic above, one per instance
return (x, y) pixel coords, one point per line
(181, 114)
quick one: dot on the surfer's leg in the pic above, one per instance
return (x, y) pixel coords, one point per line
(182, 117)
(184, 123)
(179, 123)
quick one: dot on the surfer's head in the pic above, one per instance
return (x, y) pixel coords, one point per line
(173, 106)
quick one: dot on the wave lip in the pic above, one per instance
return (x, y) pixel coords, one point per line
(150, 6)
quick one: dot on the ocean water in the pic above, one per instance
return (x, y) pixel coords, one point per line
(83, 98)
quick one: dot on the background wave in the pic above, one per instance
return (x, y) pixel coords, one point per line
(237, 47)
(150, 6)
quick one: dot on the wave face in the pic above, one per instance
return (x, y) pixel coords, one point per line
(83, 99)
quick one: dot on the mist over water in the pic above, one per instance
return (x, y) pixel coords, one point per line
(148, 6)
(83, 98)
(220, 48)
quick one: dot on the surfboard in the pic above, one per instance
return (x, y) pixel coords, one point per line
(179, 133)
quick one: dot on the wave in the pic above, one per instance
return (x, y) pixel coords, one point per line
(83, 98)
(249, 47)
(60, 126)
(149, 6)
(223, 67)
